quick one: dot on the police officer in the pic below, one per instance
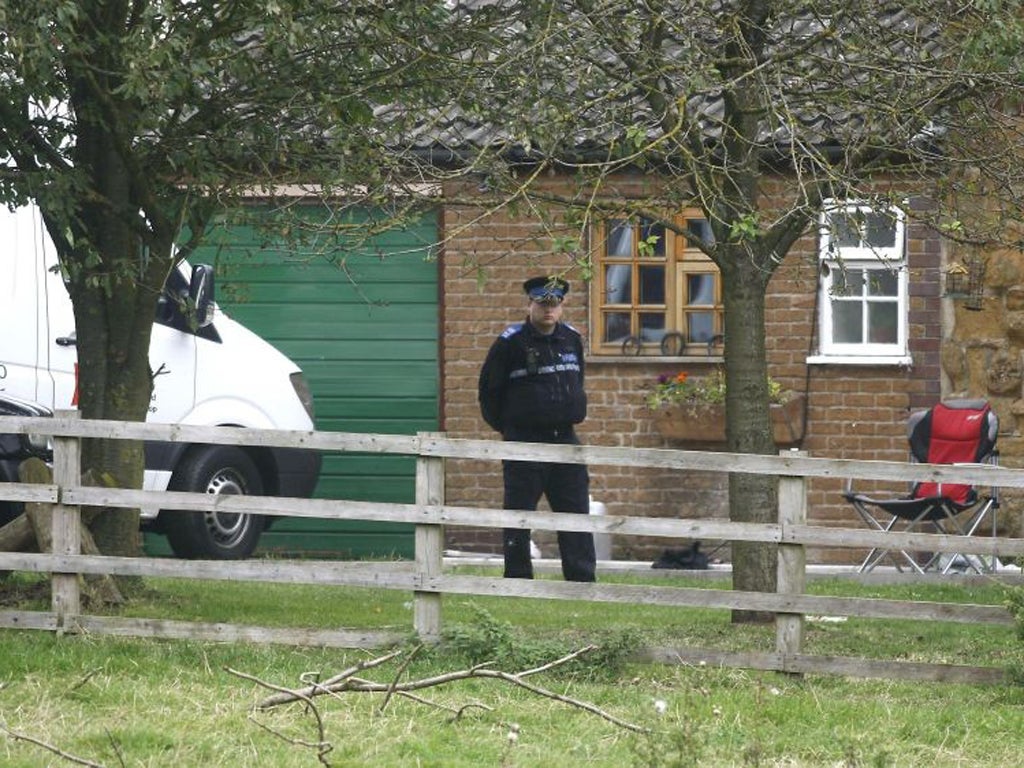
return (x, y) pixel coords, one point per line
(531, 390)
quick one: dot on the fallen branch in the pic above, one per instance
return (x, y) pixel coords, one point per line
(327, 686)
(401, 670)
(461, 710)
(322, 746)
(348, 682)
(89, 675)
(50, 748)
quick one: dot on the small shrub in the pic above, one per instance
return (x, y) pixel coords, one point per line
(681, 747)
(488, 639)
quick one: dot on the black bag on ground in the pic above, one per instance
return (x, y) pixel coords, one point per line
(689, 559)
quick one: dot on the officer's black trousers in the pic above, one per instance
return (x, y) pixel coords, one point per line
(567, 488)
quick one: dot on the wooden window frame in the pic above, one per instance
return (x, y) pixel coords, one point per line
(680, 260)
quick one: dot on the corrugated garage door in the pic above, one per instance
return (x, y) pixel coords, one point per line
(360, 316)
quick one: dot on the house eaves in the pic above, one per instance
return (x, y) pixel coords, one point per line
(799, 120)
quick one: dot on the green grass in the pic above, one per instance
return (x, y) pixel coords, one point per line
(118, 701)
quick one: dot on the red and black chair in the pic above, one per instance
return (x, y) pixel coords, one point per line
(951, 432)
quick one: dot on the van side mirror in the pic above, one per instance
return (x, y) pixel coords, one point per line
(201, 294)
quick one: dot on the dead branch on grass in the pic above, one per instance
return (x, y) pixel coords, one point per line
(316, 688)
(88, 676)
(458, 713)
(347, 681)
(401, 670)
(322, 746)
(50, 748)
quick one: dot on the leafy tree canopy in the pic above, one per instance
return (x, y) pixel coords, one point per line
(130, 123)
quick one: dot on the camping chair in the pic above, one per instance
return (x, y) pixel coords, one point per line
(952, 432)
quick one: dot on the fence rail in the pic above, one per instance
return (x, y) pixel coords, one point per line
(426, 578)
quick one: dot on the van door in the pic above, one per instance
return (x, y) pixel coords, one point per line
(58, 351)
(172, 354)
(172, 358)
(24, 368)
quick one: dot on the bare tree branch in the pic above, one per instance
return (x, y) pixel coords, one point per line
(50, 748)
(322, 745)
(347, 681)
(401, 669)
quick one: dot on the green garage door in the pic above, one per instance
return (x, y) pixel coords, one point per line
(359, 315)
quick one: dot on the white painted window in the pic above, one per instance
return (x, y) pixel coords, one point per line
(863, 284)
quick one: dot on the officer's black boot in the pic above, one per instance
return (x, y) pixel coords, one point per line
(579, 561)
(516, 544)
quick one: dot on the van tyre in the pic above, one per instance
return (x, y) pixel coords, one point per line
(214, 535)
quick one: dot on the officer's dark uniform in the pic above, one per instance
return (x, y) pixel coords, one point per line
(531, 390)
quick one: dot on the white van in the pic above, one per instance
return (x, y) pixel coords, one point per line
(219, 374)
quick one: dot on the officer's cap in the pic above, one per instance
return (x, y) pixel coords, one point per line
(546, 288)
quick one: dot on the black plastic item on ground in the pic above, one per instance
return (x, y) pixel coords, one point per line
(689, 559)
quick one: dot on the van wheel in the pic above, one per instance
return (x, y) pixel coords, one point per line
(214, 535)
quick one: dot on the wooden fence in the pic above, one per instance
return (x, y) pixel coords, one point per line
(426, 578)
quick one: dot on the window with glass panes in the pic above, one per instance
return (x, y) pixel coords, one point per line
(655, 292)
(863, 281)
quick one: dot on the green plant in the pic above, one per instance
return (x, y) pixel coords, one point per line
(673, 388)
(679, 747)
(1014, 601)
(485, 639)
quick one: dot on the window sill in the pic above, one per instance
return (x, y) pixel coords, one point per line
(660, 359)
(902, 361)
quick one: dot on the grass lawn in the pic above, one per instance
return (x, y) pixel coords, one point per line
(122, 701)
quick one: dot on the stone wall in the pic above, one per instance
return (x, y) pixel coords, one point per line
(982, 357)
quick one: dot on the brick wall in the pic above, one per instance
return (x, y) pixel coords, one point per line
(852, 411)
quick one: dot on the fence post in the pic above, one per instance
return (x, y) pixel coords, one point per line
(67, 524)
(792, 561)
(429, 542)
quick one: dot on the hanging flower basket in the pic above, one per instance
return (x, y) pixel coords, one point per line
(705, 422)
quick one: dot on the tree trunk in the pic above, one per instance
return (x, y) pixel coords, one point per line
(114, 383)
(38, 519)
(752, 498)
(116, 261)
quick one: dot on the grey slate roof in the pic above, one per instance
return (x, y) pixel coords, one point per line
(805, 112)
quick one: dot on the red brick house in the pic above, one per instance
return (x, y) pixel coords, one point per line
(858, 323)
(859, 384)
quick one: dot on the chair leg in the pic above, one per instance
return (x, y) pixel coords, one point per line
(874, 557)
(877, 554)
(912, 562)
(989, 507)
(950, 525)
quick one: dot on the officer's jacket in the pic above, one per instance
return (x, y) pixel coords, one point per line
(533, 381)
